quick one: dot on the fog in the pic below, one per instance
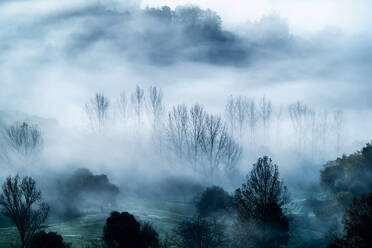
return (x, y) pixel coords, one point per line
(56, 56)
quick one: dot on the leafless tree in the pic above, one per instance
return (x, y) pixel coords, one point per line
(214, 142)
(196, 130)
(241, 108)
(232, 153)
(279, 118)
(21, 201)
(315, 131)
(253, 118)
(177, 130)
(138, 100)
(339, 122)
(123, 105)
(230, 115)
(202, 139)
(299, 114)
(324, 126)
(155, 105)
(236, 111)
(265, 113)
(23, 138)
(97, 110)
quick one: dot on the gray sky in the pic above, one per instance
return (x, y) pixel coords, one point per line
(56, 54)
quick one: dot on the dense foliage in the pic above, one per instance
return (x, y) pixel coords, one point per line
(349, 173)
(123, 230)
(48, 240)
(357, 224)
(214, 201)
(199, 232)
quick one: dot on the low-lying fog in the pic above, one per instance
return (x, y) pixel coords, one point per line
(301, 100)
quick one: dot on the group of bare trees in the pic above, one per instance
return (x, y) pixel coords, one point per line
(99, 108)
(207, 142)
(315, 131)
(202, 139)
(193, 135)
(21, 138)
(242, 113)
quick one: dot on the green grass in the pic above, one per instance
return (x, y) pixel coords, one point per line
(163, 215)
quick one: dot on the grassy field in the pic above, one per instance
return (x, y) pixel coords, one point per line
(163, 215)
(80, 231)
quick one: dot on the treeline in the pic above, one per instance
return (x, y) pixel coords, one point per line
(256, 215)
(217, 140)
(207, 143)
(222, 220)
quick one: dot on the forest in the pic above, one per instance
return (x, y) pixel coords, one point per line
(132, 126)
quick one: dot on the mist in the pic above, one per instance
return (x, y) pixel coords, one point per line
(57, 57)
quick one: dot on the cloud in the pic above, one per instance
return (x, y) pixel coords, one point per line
(55, 56)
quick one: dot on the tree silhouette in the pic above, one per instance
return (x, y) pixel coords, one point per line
(138, 100)
(21, 201)
(48, 240)
(357, 224)
(199, 232)
(259, 205)
(23, 138)
(123, 230)
(97, 110)
(214, 200)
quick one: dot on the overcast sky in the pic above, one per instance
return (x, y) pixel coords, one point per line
(56, 54)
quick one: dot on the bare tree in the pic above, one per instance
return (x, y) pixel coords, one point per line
(232, 153)
(279, 117)
(265, 112)
(241, 108)
(214, 142)
(315, 131)
(138, 100)
(197, 130)
(97, 110)
(21, 201)
(123, 104)
(324, 126)
(202, 139)
(156, 105)
(236, 111)
(177, 130)
(230, 113)
(339, 122)
(299, 114)
(253, 117)
(23, 138)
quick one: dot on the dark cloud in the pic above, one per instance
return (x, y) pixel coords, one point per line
(162, 36)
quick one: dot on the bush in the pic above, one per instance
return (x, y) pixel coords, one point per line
(350, 173)
(213, 200)
(357, 224)
(123, 230)
(199, 232)
(48, 240)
